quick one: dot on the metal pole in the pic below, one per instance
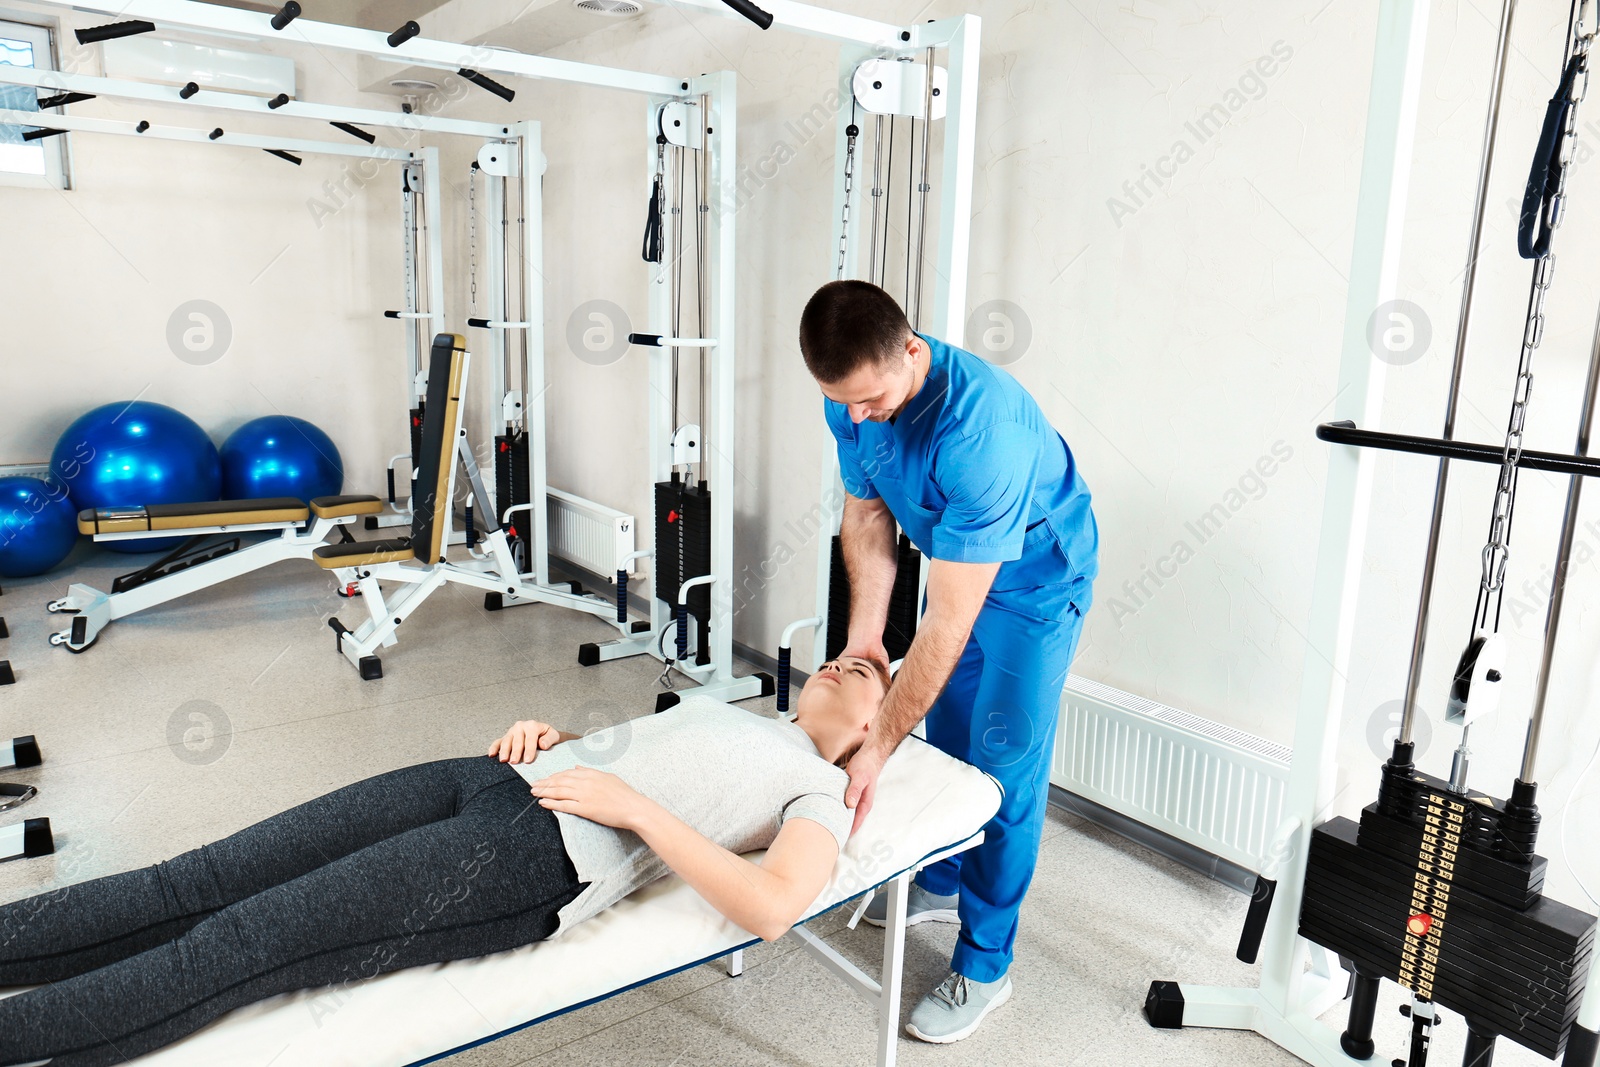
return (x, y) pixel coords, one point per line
(1558, 588)
(923, 188)
(1430, 564)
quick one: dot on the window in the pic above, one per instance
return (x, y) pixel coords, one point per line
(41, 162)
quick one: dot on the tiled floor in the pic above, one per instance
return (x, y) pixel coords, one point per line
(198, 718)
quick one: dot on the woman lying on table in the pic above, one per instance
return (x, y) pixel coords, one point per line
(442, 861)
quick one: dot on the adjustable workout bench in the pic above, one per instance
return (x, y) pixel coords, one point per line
(196, 565)
(419, 561)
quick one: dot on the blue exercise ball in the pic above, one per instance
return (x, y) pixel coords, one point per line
(136, 453)
(280, 455)
(38, 526)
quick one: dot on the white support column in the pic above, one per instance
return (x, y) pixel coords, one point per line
(1283, 1007)
(434, 202)
(962, 36)
(721, 91)
(493, 251)
(955, 203)
(659, 305)
(534, 371)
(832, 489)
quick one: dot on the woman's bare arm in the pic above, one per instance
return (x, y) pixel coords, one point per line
(765, 898)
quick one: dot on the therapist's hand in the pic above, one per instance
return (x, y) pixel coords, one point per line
(524, 741)
(598, 796)
(864, 768)
(871, 648)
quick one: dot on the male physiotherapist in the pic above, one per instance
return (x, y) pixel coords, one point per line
(959, 454)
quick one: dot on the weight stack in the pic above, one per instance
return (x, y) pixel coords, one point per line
(683, 544)
(511, 488)
(1517, 973)
(901, 625)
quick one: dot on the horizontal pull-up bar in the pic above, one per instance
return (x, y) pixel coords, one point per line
(179, 133)
(1346, 433)
(417, 51)
(90, 85)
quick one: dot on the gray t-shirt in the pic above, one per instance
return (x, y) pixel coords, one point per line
(733, 775)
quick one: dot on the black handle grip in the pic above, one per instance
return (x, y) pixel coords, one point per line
(483, 81)
(286, 14)
(96, 34)
(214, 134)
(188, 90)
(752, 12)
(355, 131)
(651, 339)
(143, 126)
(391, 485)
(1255, 921)
(39, 135)
(63, 99)
(282, 155)
(784, 667)
(391, 314)
(482, 324)
(278, 101)
(403, 34)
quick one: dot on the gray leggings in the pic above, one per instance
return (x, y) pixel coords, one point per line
(436, 862)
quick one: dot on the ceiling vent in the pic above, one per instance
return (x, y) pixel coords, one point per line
(614, 8)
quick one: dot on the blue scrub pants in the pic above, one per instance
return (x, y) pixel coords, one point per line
(999, 713)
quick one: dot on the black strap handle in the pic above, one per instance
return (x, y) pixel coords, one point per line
(1544, 178)
(652, 224)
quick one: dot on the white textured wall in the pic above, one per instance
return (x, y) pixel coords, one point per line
(302, 261)
(1184, 286)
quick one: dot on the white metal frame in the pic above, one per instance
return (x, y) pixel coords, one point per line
(97, 609)
(961, 39)
(1286, 1005)
(864, 35)
(883, 993)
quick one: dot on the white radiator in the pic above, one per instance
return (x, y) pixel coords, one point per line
(1214, 787)
(590, 535)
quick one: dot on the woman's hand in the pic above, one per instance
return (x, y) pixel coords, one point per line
(524, 741)
(594, 795)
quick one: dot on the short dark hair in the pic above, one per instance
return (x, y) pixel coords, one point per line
(847, 325)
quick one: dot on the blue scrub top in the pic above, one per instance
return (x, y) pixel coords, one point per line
(974, 473)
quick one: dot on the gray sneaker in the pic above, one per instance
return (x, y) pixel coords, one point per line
(921, 907)
(954, 1010)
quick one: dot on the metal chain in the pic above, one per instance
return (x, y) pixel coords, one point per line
(472, 235)
(851, 133)
(411, 251)
(1497, 552)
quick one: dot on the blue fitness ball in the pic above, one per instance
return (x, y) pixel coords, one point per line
(136, 453)
(280, 455)
(38, 526)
